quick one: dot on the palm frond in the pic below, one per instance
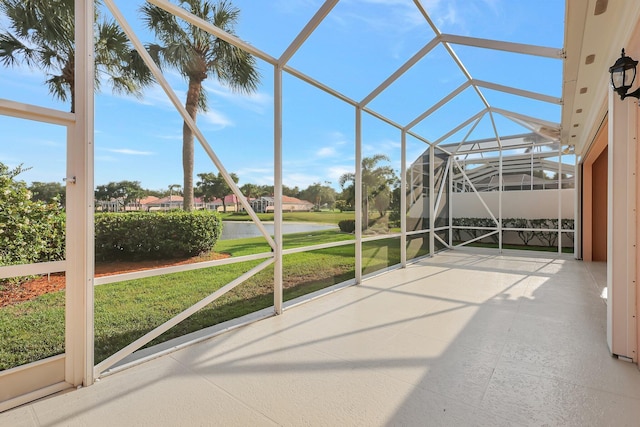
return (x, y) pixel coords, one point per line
(13, 51)
(235, 67)
(203, 101)
(59, 87)
(41, 33)
(163, 24)
(198, 54)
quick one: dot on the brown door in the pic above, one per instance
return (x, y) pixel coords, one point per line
(600, 173)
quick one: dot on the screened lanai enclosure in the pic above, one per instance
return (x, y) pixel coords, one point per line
(472, 153)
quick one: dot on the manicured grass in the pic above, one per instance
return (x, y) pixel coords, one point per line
(327, 217)
(127, 310)
(32, 330)
(255, 245)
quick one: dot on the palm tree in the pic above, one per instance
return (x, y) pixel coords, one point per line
(41, 34)
(197, 55)
(250, 190)
(376, 182)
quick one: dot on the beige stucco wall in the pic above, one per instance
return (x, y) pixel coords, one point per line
(515, 204)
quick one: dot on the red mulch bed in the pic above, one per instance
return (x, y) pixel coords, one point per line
(56, 281)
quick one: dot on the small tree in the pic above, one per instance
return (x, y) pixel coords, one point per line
(382, 200)
(548, 237)
(288, 191)
(376, 179)
(525, 236)
(48, 192)
(213, 186)
(123, 193)
(251, 191)
(394, 205)
(319, 194)
(341, 205)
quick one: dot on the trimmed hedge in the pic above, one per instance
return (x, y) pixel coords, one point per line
(347, 225)
(30, 231)
(139, 236)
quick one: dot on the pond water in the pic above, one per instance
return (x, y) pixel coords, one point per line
(242, 229)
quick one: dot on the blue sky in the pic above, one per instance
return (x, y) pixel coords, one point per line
(357, 47)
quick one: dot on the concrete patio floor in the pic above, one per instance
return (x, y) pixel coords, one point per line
(463, 338)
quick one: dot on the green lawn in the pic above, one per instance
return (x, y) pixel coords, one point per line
(125, 311)
(328, 217)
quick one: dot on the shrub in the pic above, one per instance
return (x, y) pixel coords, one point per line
(347, 225)
(30, 231)
(155, 235)
(548, 238)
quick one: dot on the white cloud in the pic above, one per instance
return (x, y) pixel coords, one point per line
(129, 151)
(257, 102)
(254, 171)
(260, 180)
(105, 158)
(326, 152)
(449, 17)
(157, 97)
(258, 176)
(390, 147)
(50, 143)
(368, 148)
(218, 119)
(335, 172)
(299, 180)
(461, 14)
(405, 12)
(338, 138)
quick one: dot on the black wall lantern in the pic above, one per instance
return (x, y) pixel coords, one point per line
(623, 73)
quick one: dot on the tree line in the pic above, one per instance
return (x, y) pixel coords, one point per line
(380, 190)
(209, 187)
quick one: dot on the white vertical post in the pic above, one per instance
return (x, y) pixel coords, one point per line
(500, 203)
(531, 176)
(79, 228)
(277, 190)
(621, 228)
(403, 198)
(432, 201)
(358, 188)
(559, 198)
(450, 200)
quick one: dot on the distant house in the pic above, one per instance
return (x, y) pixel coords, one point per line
(118, 204)
(142, 204)
(113, 205)
(231, 201)
(289, 204)
(171, 202)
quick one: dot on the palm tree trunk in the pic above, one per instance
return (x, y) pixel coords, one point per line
(193, 94)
